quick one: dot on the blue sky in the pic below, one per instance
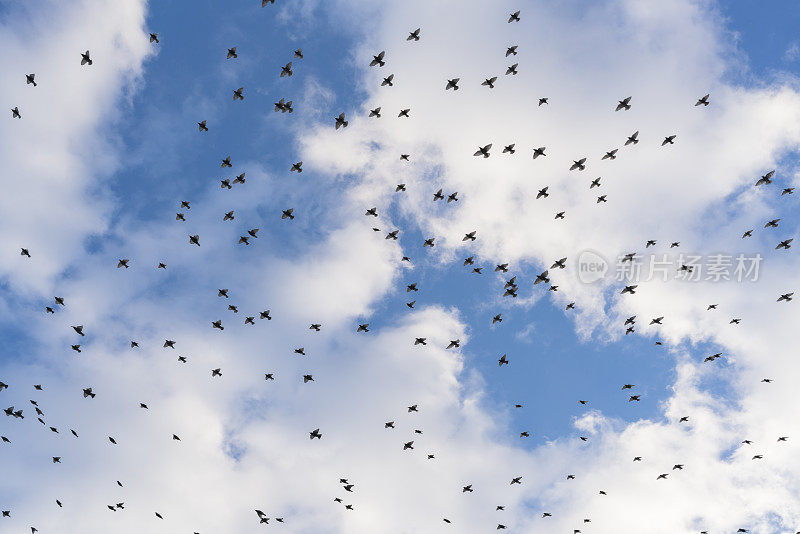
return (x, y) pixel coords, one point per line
(553, 368)
(143, 155)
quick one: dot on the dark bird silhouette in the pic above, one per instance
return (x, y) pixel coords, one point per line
(378, 59)
(452, 84)
(766, 179)
(703, 101)
(578, 164)
(625, 104)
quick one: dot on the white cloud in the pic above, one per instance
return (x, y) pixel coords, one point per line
(666, 56)
(792, 53)
(62, 141)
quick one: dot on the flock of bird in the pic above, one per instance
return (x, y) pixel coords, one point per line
(510, 288)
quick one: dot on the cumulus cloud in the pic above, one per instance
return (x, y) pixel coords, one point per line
(244, 440)
(60, 152)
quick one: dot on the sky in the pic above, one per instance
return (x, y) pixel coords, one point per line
(103, 155)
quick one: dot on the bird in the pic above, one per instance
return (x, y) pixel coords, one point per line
(377, 59)
(513, 70)
(232, 53)
(624, 104)
(154, 38)
(786, 297)
(286, 70)
(452, 84)
(15, 113)
(483, 151)
(539, 152)
(514, 17)
(669, 140)
(29, 80)
(85, 58)
(766, 179)
(489, 82)
(413, 36)
(633, 139)
(389, 80)
(579, 164)
(283, 106)
(238, 94)
(511, 50)
(340, 121)
(702, 101)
